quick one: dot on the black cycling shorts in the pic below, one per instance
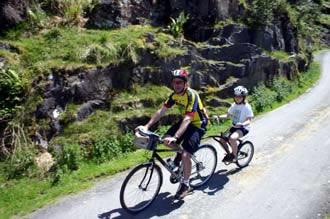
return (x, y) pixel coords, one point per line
(191, 137)
(243, 130)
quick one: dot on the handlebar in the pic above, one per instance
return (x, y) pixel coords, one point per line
(151, 134)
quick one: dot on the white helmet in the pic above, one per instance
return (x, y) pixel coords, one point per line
(240, 91)
(141, 141)
(180, 73)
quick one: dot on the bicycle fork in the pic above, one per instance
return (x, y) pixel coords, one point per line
(147, 177)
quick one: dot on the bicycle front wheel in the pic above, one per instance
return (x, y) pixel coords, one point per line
(204, 162)
(245, 154)
(141, 187)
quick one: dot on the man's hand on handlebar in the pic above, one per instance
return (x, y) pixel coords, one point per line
(169, 140)
(141, 127)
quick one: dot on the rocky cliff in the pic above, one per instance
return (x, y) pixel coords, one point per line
(213, 53)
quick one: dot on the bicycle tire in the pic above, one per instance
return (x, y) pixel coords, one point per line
(203, 171)
(245, 154)
(133, 187)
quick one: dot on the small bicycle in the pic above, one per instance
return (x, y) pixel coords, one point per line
(143, 183)
(245, 149)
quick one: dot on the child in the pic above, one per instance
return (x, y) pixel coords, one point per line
(241, 113)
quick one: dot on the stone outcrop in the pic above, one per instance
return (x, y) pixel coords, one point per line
(113, 14)
(231, 55)
(209, 65)
(12, 12)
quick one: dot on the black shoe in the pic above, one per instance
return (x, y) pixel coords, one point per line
(229, 158)
(183, 190)
(177, 159)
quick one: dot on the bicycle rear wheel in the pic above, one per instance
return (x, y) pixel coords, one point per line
(141, 187)
(204, 163)
(245, 154)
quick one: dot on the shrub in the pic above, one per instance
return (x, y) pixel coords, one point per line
(36, 17)
(104, 149)
(282, 87)
(96, 54)
(126, 143)
(176, 25)
(53, 35)
(262, 97)
(69, 158)
(20, 163)
(261, 12)
(70, 9)
(11, 92)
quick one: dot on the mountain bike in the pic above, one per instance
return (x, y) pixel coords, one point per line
(245, 149)
(142, 185)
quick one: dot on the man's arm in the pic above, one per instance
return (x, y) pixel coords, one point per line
(183, 127)
(155, 118)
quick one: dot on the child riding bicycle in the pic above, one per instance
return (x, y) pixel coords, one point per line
(241, 113)
(189, 130)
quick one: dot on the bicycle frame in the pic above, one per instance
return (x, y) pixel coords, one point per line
(156, 156)
(218, 139)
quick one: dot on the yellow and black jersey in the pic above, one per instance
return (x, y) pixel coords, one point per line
(189, 104)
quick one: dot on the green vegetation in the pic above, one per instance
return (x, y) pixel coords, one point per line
(282, 91)
(261, 12)
(281, 55)
(63, 46)
(24, 195)
(176, 26)
(71, 47)
(11, 92)
(53, 40)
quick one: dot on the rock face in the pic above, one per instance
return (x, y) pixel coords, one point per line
(120, 13)
(231, 55)
(202, 14)
(12, 12)
(209, 65)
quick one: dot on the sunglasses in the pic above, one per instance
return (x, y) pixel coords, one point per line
(178, 82)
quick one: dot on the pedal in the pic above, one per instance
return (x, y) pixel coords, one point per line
(227, 163)
(173, 179)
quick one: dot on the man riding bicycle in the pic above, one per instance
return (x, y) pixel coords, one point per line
(188, 130)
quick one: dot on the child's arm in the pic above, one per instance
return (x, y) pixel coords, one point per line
(245, 123)
(222, 117)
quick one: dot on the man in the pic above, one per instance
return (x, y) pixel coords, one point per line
(189, 130)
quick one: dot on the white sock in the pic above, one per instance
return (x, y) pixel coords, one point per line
(186, 181)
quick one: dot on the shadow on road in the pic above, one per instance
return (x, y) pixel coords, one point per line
(217, 183)
(162, 205)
